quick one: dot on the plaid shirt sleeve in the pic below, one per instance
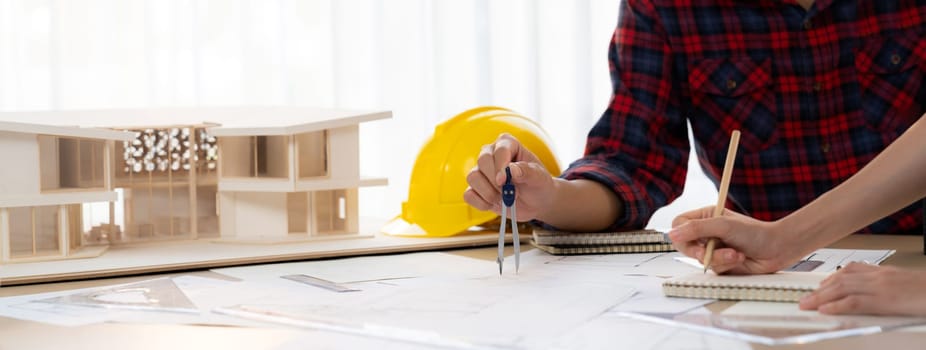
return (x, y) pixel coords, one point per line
(817, 93)
(639, 148)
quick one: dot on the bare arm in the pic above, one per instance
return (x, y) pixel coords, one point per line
(582, 206)
(893, 180)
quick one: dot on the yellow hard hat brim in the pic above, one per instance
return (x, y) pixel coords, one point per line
(399, 227)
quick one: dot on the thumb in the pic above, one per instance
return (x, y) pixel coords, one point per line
(523, 173)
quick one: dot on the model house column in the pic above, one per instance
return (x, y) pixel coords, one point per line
(4, 235)
(64, 246)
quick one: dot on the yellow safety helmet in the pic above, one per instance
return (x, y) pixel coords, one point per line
(435, 206)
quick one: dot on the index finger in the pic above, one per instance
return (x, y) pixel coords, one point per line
(506, 149)
(701, 229)
(486, 164)
(700, 213)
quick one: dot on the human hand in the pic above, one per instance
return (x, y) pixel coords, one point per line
(745, 245)
(868, 289)
(534, 184)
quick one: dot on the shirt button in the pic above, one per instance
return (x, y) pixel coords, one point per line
(817, 87)
(826, 148)
(807, 25)
(731, 84)
(895, 59)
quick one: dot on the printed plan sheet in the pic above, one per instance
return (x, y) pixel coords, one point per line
(418, 300)
(833, 258)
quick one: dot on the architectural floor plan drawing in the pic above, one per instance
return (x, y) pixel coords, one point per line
(453, 312)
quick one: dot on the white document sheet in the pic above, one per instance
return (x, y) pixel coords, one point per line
(609, 261)
(368, 268)
(767, 308)
(22, 308)
(664, 264)
(773, 323)
(489, 310)
(833, 258)
(67, 308)
(650, 298)
(612, 331)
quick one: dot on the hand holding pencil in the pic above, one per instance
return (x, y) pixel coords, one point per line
(722, 195)
(730, 242)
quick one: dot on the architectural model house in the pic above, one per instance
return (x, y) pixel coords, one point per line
(50, 175)
(127, 176)
(289, 180)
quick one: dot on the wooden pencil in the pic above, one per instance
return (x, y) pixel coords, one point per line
(722, 195)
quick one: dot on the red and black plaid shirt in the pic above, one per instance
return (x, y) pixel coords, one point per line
(816, 93)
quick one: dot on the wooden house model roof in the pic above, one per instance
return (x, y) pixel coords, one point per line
(65, 131)
(221, 121)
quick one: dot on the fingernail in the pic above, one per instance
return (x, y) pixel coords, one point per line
(730, 256)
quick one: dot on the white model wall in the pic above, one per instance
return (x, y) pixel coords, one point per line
(20, 171)
(49, 167)
(345, 152)
(247, 215)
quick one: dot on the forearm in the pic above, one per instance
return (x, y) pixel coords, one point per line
(893, 180)
(582, 206)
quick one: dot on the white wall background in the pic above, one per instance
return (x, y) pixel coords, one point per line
(425, 60)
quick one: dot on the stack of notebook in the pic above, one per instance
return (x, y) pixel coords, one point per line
(572, 243)
(782, 286)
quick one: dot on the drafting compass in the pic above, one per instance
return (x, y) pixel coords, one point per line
(508, 204)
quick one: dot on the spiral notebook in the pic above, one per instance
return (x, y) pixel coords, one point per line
(574, 243)
(782, 286)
